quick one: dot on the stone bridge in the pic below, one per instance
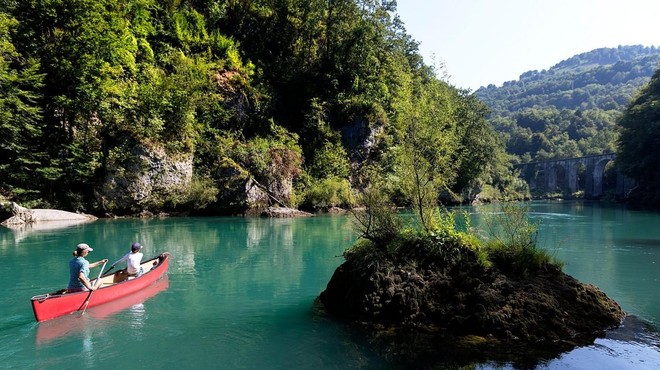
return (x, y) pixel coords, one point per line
(574, 174)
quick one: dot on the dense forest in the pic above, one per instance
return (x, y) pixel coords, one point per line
(571, 109)
(638, 142)
(122, 107)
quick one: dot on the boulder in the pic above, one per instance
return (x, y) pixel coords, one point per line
(284, 212)
(23, 216)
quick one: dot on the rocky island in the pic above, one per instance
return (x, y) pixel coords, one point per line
(435, 296)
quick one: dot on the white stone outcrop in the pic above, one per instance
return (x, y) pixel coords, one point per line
(23, 216)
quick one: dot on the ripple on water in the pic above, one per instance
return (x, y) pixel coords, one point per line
(634, 345)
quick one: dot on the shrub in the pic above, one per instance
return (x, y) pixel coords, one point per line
(201, 193)
(448, 235)
(330, 192)
(330, 161)
(511, 227)
(377, 220)
(512, 241)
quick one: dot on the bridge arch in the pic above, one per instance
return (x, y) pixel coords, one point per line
(599, 176)
(571, 175)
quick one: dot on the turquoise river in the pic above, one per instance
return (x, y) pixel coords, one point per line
(240, 292)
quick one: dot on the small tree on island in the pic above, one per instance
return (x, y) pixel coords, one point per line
(424, 165)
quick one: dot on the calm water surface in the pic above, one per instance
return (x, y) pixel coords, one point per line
(240, 293)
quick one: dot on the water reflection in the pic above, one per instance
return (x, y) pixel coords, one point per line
(20, 232)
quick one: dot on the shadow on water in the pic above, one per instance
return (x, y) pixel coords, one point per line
(416, 350)
(635, 330)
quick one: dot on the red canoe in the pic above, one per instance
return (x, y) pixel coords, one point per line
(112, 287)
(100, 316)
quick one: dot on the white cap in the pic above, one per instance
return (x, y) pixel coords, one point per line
(83, 246)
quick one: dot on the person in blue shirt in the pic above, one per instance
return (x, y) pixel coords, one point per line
(79, 269)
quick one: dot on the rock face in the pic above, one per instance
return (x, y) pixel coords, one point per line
(425, 306)
(145, 180)
(241, 193)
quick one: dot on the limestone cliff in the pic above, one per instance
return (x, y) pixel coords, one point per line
(145, 180)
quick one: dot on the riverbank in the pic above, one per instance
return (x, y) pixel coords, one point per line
(21, 216)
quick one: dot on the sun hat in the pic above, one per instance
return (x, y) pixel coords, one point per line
(84, 247)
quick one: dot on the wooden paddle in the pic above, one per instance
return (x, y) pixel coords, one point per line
(84, 306)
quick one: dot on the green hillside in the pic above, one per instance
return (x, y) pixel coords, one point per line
(571, 109)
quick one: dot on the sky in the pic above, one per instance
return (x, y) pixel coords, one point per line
(480, 42)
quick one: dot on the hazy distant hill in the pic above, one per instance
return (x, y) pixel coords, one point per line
(570, 109)
(604, 78)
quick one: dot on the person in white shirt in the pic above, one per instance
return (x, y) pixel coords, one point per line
(133, 260)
